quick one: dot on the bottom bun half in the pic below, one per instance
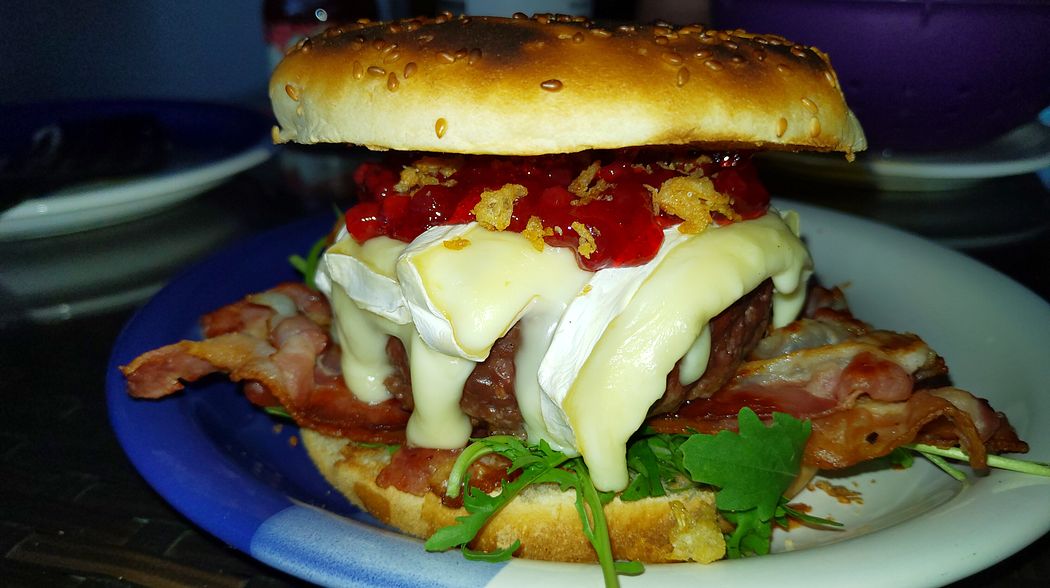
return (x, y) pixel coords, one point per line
(679, 527)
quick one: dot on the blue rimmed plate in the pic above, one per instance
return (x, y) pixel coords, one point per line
(238, 474)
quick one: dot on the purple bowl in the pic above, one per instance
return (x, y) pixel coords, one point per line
(922, 75)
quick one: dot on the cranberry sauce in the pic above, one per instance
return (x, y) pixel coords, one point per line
(615, 207)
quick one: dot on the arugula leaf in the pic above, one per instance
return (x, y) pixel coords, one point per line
(752, 468)
(308, 265)
(785, 512)
(538, 465)
(901, 458)
(751, 534)
(648, 480)
(481, 506)
(491, 556)
(1032, 467)
(278, 411)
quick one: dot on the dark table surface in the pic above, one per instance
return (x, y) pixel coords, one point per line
(73, 511)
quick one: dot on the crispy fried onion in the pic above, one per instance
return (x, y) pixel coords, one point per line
(278, 344)
(866, 392)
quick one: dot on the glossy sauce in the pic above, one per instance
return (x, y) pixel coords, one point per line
(620, 218)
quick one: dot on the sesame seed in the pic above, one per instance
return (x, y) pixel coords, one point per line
(410, 68)
(738, 60)
(601, 33)
(519, 15)
(551, 85)
(714, 65)
(379, 44)
(798, 51)
(394, 28)
(424, 39)
(731, 45)
(671, 58)
(392, 57)
(473, 56)
(359, 70)
(810, 105)
(461, 53)
(661, 40)
(702, 54)
(464, 19)
(814, 127)
(578, 37)
(292, 92)
(440, 127)
(391, 82)
(783, 68)
(376, 70)
(448, 57)
(830, 77)
(683, 77)
(782, 126)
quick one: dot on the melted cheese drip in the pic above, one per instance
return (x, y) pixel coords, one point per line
(582, 385)
(627, 370)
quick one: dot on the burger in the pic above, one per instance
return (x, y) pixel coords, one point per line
(562, 318)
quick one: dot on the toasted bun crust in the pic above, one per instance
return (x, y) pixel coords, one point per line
(543, 518)
(548, 84)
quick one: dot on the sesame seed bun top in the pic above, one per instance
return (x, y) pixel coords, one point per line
(560, 84)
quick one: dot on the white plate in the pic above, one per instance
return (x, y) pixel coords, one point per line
(1023, 150)
(211, 143)
(919, 527)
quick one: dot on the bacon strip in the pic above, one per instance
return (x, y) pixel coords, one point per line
(863, 390)
(276, 343)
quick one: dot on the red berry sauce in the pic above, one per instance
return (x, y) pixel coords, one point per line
(620, 218)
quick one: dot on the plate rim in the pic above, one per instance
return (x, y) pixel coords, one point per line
(136, 196)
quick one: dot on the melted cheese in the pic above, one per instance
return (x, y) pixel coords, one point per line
(627, 370)
(596, 347)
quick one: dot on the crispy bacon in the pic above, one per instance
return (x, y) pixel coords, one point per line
(276, 343)
(864, 390)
